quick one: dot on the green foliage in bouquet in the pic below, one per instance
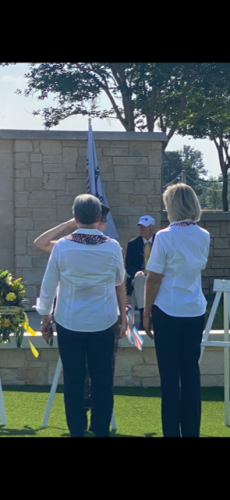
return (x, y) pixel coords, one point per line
(12, 316)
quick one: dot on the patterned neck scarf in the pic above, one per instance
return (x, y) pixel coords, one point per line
(88, 239)
(183, 223)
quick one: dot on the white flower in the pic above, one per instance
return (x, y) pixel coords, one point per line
(9, 279)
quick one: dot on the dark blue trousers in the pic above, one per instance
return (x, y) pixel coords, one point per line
(98, 347)
(177, 342)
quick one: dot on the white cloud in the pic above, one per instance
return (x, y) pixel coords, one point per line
(19, 80)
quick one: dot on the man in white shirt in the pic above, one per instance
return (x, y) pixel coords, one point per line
(87, 266)
(137, 255)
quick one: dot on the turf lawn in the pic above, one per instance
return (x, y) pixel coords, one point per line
(137, 412)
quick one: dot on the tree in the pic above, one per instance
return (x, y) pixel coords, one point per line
(207, 115)
(189, 160)
(141, 94)
(211, 198)
(195, 158)
(5, 64)
(188, 98)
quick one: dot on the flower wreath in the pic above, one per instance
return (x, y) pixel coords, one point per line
(12, 316)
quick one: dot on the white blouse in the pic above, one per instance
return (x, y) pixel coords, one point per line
(180, 252)
(86, 277)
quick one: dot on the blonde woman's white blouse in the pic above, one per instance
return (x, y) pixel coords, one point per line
(180, 252)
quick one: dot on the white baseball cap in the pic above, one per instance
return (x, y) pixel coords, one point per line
(146, 220)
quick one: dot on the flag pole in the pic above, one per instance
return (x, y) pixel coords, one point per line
(94, 182)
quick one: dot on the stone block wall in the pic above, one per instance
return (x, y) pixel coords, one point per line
(218, 266)
(217, 223)
(42, 173)
(133, 368)
(7, 219)
(22, 368)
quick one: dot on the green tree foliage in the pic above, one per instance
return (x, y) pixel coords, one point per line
(209, 191)
(189, 160)
(194, 158)
(207, 115)
(5, 64)
(187, 98)
(141, 94)
(211, 197)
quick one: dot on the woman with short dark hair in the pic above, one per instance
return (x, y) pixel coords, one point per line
(174, 295)
(46, 243)
(88, 267)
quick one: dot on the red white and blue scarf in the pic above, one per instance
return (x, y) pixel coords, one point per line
(183, 223)
(88, 239)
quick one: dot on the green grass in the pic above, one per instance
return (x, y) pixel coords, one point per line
(137, 411)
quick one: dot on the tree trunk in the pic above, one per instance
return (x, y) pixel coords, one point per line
(224, 169)
(225, 188)
(119, 75)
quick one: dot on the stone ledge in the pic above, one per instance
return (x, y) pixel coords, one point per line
(71, 135)
(38, 341)
(132, 368)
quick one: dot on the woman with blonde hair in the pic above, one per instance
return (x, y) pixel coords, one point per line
(174, 296)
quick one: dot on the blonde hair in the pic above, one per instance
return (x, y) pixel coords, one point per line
(181, 203)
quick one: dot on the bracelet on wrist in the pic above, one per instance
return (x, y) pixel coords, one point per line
(46, 324)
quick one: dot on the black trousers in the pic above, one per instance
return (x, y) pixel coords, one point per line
(177, 342)
(98, 346)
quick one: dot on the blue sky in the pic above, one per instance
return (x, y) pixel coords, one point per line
(16, 113)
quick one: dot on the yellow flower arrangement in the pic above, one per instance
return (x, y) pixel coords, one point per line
(10, 296)
(9, 279)
(12, 317)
